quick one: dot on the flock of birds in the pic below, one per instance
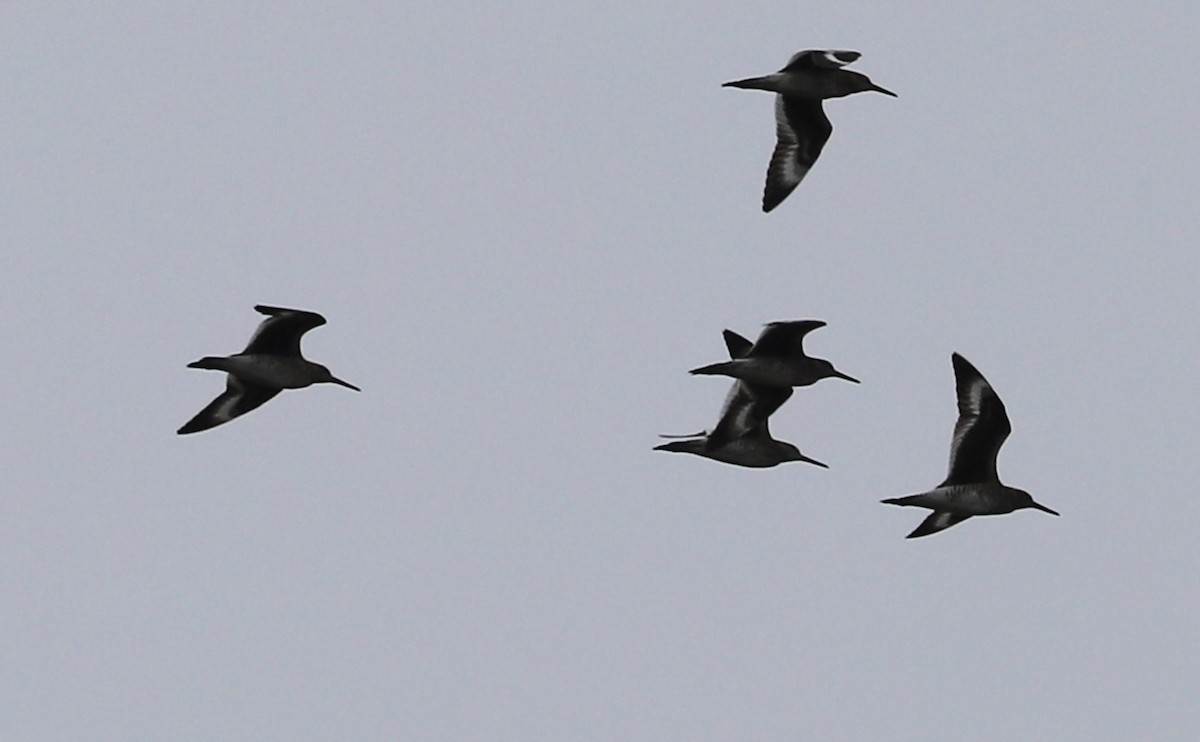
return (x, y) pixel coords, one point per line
(764, 371)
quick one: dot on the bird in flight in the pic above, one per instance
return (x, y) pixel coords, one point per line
(270, 363)
(801, 127)
(972, 486)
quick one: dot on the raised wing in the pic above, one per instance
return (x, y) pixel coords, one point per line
(746, 410)
(747, 406)
(981, 429)
(826, 58)
(280, 333)
(784, 339)
(738, 346)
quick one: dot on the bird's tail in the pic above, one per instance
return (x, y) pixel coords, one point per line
(909, 500)
(212, 363)
(716, 369)
(692, 446)
(770, 82)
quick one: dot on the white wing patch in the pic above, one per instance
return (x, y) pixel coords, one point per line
(975, 394)
(224, 411)
(785, 165)
(942, 520)
(831, 56)
(969, 416)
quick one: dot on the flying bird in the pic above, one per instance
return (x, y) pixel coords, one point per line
(778, 359)
(270, 363)
(801, 127)
(972, 487)
(741, 436)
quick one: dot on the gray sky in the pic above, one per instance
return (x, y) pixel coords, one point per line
(524, 226)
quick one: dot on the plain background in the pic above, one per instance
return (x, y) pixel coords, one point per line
(524, 226)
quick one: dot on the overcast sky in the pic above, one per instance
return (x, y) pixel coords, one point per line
(524, 226)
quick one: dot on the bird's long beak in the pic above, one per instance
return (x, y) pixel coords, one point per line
(885, 91)
(339, 382)
(807, 460)
(1043, 508)
(847, 377)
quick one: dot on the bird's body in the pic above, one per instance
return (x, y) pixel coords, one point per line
(972, 486)
(270, 363)
(801, 80)
(801, 127)
(265, 369)
(755, 449)
(774, 372)
(778, 359)
(981, 498)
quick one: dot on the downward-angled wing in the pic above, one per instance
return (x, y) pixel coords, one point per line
(938, 520)
(237, 399)
(801, 131)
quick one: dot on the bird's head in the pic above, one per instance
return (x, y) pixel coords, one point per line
(325, 377)
(826, 370)
(791, 453)
(860, 83)
(1025, 500)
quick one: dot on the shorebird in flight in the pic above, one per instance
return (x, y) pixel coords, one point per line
(972, 487)
(778, 359)
(801, 127)
(270, 363)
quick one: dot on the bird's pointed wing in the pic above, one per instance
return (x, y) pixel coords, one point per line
(237, 399)
(824, 58)
(736, 416)
(938, 520)
(767, 399)
(738, 346)
(746, 405)
(801, 130)
(279, 333)
(981, 429)
(732, 423)
(784, 339)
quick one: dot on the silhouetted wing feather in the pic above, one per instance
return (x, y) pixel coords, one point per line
(826, 58)
(237, 399)
(981, 429)
(280, 333)
(738, 346)
(767, 399)
(784, 339)
(938, 520)
(747, 407)
(801, 130)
